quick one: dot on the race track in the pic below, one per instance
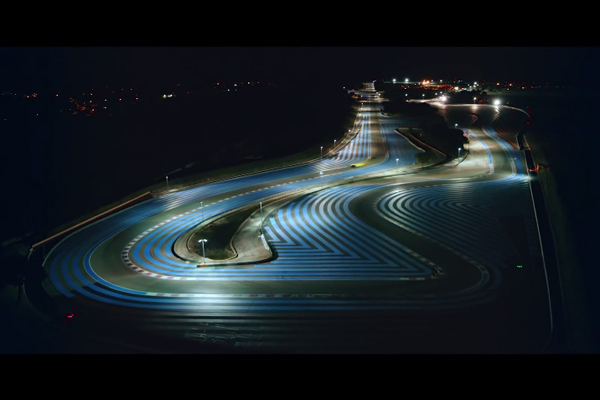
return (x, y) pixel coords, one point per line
(385, 257)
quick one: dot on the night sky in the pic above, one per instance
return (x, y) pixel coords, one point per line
(55, 68)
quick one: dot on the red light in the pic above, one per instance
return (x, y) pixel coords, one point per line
(527, 122)
(70, 315)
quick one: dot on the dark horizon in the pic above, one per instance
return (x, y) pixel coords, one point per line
(51, 68)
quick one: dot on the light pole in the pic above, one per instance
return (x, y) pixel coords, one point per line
(397, 159)
(167, 182)
(334, 140)
(459, 153)
(321, 153)
(203, 253)
(261, 217)
(474, 99)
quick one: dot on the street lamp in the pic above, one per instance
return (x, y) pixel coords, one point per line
(167, 182)
(459, 153)
(474, 99)
(334, 140)
(456, 125)
(397, 159)
(203, 253)
(321, 153)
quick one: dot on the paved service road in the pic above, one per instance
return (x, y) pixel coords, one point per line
(385, 257)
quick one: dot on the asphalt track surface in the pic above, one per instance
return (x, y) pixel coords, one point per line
(384, 258)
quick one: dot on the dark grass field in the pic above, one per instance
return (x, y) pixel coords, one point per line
(563, 136)
(219, 234)
(58, 169)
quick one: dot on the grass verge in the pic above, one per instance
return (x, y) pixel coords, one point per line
(572, 279)
(218, 235)
(430, 130)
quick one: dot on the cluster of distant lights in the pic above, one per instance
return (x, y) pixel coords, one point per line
(424, 82)
(444, 98)
(164, 96)
(428, 82)
(235, 85)
(74, 101)
(507, 84)
(89, 105)
(82, 105)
